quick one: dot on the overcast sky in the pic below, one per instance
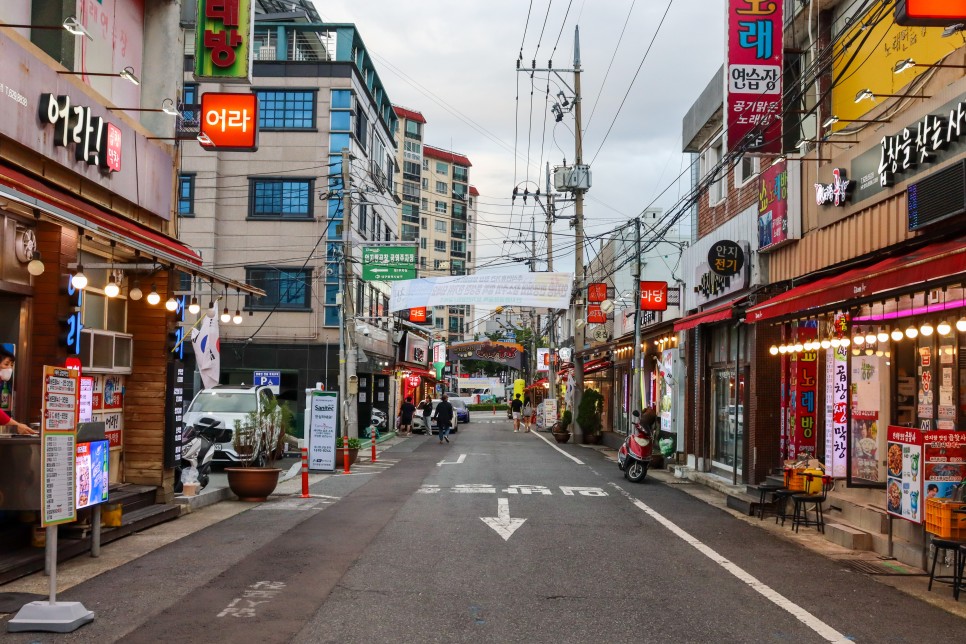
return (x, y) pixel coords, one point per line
(455, 62)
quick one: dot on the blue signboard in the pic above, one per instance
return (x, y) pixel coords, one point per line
(271, 379)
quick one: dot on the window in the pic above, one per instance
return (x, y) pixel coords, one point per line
(413, 150)
(459, 191)
(425, 183)
(458, 246)
(409, 232)
(709, 161)
(362, 131)
(746, 170)
(338, 142)
(439, 245)
(422, 243)
(459, 211)
(442, 168)
(341, 99)
(441, 187)
(410, 191)
(440, 225)
(441, 207)
(411, 167)
(286, 109)
(438, 323)
(425, 164)
(287, 289)
(422, 261)
(454, 325)
(340, 121)
(189, 105)
(414, 129)
(460, 173)
(424, 223)
(409, 214)
(186, 195)
(363, 218)
(280, 198)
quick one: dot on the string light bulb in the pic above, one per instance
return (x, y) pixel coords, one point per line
(897, 334)
(773, 350)
(225, 316)
(926, 329)
(944, 328)
(859, 339)
(153, 297)
(237, 318)
(826, 343)
(870, 338)
(882, 336)
(961, 325)
(171, 304)
(112, 289)
(194, 308)
(912, 332)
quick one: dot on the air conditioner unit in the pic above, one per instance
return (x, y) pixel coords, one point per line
(106, 351)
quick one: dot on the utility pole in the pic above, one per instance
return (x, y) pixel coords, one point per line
(552, 373)
(580, 310)
(348, 381)
(636, 369)
(578, 184)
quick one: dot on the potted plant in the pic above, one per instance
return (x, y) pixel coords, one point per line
(589, 415)
(561, 430)
(354, 445)
(259, 440)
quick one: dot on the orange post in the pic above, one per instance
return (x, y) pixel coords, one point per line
(493, 407)
(345, 454)
(305, 472)
(373, 434)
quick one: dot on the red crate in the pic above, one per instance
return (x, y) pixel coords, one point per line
(942, 521)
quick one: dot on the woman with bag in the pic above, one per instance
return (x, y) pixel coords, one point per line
(528, 414)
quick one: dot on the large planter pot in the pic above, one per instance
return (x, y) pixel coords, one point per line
(252, 483)
(340, 456)
(561, 437)
(591, 439)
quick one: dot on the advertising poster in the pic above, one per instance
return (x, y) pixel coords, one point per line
(91, 485)
(86, 399)
(945, 462)
(864, 439)
(666, 390)
(773, 206)
(836, 412)
(946, 410)
(323, 423)
(549, 412)
(904, 484)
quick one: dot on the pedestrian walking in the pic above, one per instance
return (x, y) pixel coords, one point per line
(527, 414)
(444, 418)
(406, 411)
(516, 410)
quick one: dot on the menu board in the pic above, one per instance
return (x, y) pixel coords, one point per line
(92, 473)
(86, 399)
(549, 412)
(58, 459)
(323, 423)
(904, 483)
(944, 454)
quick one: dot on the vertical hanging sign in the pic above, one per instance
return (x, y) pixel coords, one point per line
(753, 83)
(223, 41)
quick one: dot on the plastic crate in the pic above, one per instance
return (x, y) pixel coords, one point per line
(942, 522)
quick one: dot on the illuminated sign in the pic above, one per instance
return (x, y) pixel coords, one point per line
(726, 258)
(654, 296)
(835, 193)
(229, 122)
(418, 315)
(595, 315)
(223, 41)
(930, 13)
(596, 292)
(95, 141)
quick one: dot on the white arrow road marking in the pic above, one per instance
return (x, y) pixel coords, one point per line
(458, 461)
(503, 524)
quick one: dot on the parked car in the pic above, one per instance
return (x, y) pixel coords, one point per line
(228, 403)
(420, 423)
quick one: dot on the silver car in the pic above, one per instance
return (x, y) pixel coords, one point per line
(229, 404)
(420, 423)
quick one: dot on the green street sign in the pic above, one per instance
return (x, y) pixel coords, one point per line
(388, 263)
(223, 41)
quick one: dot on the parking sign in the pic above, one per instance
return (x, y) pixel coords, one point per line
(271, 379)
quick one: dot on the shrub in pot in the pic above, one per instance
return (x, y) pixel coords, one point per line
(259, 440)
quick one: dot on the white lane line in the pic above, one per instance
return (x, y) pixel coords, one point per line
(805, 617)
(458, 461)
(573, 458)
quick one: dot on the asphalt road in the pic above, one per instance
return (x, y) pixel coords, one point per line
(495, 537)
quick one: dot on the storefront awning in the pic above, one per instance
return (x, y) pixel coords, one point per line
(924, 267)
(67, 209)
(715, 314)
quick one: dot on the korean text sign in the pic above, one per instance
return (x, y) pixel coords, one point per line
(773, 206)
(229, 121)
(223, 41)
(754, 76)
(654, 296)
(904, 484)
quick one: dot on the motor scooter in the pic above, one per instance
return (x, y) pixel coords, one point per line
(198, 448)
(634, 455)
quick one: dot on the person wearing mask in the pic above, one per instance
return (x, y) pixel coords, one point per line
(516, 408)
(7, 361)
(444, 418)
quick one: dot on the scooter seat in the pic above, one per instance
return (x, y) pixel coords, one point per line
(643, 442)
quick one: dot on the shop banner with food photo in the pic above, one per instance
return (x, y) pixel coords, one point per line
(944, 456)
(904, 483)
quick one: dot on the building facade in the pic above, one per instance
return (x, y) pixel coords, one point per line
(276, 218)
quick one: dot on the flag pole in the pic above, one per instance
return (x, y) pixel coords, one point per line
(193, 327)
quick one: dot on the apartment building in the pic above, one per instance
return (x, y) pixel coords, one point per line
(275, 218)
(438, 209)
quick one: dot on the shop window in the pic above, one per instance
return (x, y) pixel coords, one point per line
(746, 170)
(106, 351)
(280, 199)
(708, 164)
(286, 109)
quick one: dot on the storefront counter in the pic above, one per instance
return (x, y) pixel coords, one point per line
(20, 473)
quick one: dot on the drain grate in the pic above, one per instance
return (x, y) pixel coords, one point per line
(882, 568)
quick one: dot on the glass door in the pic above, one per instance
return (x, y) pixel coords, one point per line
(727, 442)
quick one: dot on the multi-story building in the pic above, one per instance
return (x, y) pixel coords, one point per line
(409, 160)
(275, 218)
